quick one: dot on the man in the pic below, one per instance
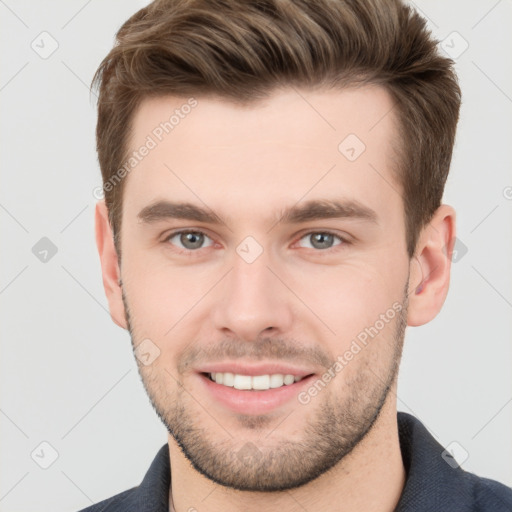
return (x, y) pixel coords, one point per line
(273, 175)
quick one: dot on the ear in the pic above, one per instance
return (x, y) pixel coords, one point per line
(109, 265)
(430, 267)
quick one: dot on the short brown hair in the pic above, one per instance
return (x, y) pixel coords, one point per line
(242, 50)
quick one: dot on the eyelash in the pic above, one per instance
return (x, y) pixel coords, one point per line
(190, 252)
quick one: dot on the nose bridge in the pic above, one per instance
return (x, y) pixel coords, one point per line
(250, 279)
(252, 298)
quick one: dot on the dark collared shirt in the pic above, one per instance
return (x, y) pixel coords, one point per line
(435, 483)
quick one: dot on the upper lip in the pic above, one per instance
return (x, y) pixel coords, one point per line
(269, 368)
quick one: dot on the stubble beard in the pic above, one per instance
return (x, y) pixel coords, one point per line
(340, 423)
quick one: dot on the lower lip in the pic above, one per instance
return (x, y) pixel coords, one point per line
(252, 401)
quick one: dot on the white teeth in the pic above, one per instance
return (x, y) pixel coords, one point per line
(229, 379)
(289, 379)
(242, 382)
(261, 382)
(276, 381)
(258, 382)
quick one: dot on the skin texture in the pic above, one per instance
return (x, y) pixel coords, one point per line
(295, 303)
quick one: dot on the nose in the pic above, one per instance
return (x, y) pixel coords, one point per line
(253, 301)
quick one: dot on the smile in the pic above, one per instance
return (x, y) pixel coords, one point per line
(253, 382)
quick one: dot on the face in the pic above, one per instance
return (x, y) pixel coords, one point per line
(265, 277)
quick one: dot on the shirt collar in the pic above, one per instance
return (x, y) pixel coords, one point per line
(434, 479)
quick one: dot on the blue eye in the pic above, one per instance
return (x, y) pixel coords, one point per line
(322, 239)
(189, 240)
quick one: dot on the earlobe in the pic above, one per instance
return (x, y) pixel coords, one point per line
(430, 267)
(109, 265)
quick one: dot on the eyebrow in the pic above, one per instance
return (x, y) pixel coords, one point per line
(315, 209)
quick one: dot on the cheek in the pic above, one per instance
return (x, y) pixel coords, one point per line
(160, 294)
(352, 297)
(363, 311)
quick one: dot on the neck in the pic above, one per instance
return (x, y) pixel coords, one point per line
(370, 478)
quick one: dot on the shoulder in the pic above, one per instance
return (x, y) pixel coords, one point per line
(150, 496)
(116, 503)
(490, 495)
(435, 481)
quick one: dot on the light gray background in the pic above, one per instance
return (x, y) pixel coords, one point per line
(68, 376)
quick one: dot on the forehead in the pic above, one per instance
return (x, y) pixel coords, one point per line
(288, 115)
(278, 150)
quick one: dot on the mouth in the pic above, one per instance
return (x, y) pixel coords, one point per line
(262, 382)
(250, 391)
